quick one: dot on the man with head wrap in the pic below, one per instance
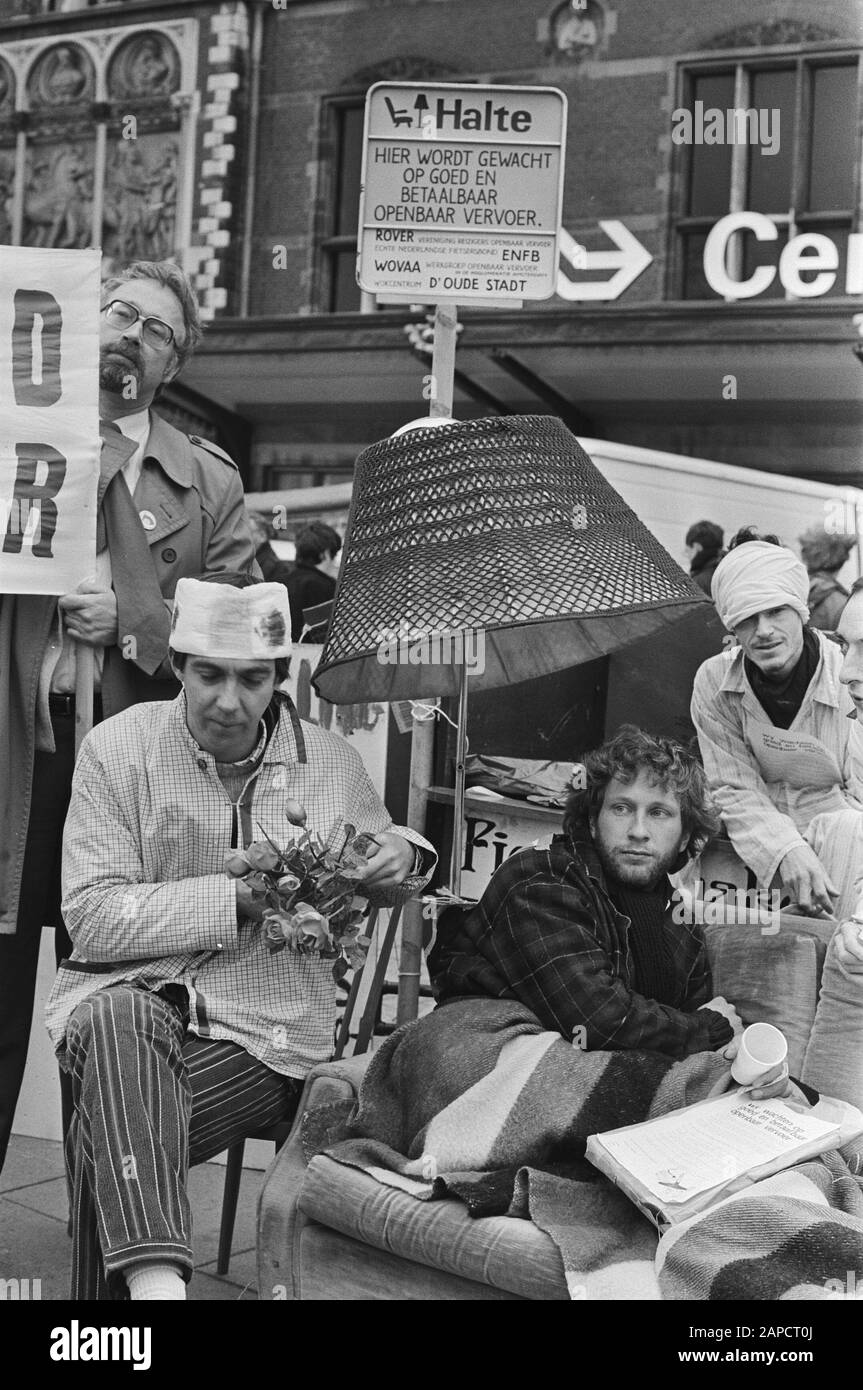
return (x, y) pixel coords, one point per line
(781, 675)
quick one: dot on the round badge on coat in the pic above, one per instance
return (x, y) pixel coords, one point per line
(148, 521)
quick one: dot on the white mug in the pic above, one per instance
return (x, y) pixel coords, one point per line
(762, 1047)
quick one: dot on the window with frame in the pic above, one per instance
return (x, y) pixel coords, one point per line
(810, 184)
(340, 292)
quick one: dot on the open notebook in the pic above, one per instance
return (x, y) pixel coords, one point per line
(690, 1159)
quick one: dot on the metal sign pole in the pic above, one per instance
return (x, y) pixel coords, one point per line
(411, 946)
(422, 736)
(443, 359)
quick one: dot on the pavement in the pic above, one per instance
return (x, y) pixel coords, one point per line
(34, 1212)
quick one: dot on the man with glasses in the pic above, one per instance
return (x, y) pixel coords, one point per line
(170, 506)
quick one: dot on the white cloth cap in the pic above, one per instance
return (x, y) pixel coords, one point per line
(252, 624)
(755, 576)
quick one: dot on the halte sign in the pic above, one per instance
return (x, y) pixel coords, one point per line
(461, 192)
(49, 426)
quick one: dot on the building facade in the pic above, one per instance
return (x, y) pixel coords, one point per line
(725, 144)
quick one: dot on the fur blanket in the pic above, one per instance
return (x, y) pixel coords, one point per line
(475, 1101)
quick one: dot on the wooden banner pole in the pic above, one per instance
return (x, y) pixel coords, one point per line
(85, 673)
(458, 800)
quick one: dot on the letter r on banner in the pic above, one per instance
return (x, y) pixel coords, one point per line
(27, 490)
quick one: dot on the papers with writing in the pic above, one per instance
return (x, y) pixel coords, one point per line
(691, 1151)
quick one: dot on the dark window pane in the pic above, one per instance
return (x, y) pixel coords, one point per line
(346, 291)
(832, 152)
(350, 160)
(694, 284)
(757, 253)
(769, 183)
(710, 169)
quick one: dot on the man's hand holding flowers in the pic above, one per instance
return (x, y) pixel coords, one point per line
(304, 893)
(390, 860)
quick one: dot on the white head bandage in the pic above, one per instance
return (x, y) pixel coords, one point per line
(756, 576)
(217, 620)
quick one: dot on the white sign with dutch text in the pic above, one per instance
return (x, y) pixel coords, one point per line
(462, 191)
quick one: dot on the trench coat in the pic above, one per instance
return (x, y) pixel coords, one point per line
(193, 492)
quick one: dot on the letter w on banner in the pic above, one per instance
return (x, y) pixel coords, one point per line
(49, 422)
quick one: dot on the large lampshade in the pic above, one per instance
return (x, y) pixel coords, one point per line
(503, 527)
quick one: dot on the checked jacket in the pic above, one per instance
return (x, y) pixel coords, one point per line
(547, 934)
(145, 895)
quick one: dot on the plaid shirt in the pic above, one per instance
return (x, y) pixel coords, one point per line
(547, 934)
(765, 821)
(145, 894)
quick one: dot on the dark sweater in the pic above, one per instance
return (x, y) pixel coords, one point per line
(703, 568)
(653, 962)
(307, 587)
(781, 699)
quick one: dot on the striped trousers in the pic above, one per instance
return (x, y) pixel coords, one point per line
(151, 1100)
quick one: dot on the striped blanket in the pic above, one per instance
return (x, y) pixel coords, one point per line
(476, 1102)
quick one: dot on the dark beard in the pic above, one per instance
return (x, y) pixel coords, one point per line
(634, 874)
(116, 374)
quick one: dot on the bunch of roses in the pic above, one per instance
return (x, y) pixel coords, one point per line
(308, 891)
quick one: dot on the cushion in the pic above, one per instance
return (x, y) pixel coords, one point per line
(509, 1253)
(770, 979)
(327, 1266)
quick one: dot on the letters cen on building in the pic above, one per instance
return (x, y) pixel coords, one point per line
(462, 192)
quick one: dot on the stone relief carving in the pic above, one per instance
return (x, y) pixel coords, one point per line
(58, 195)
(7, 90)
(141, 199)
(63, 76)
(144, 75)
(144, 68)
(7, 193)
(576, 29)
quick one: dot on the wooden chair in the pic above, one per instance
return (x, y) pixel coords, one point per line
(278, 1133)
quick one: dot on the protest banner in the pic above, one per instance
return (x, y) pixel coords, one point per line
(49, 425)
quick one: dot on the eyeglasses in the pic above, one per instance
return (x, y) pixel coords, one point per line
(122, 315)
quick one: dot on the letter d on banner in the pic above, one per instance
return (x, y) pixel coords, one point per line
(36, 348)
